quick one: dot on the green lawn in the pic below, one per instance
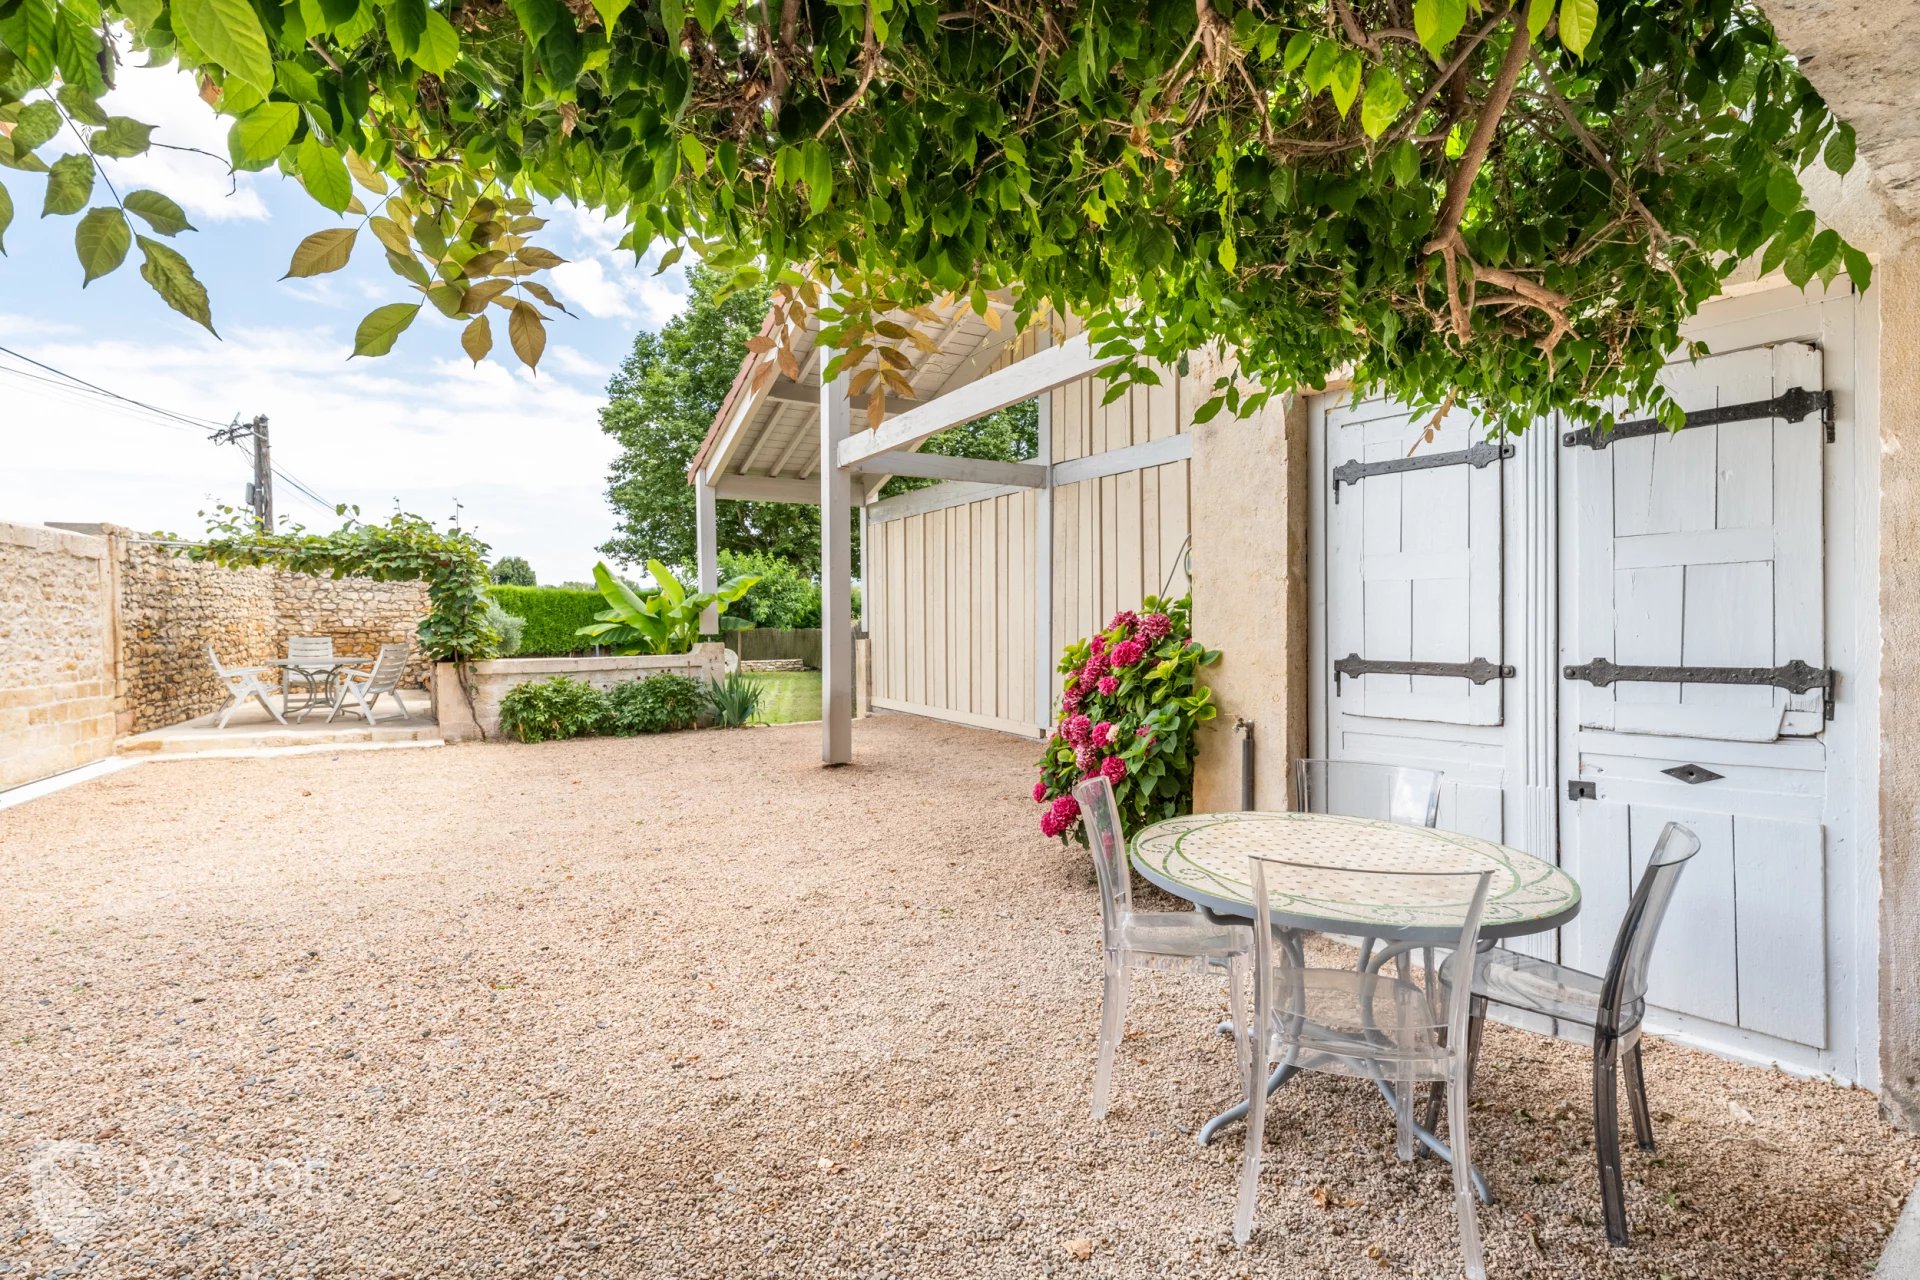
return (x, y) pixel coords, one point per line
(790, 696)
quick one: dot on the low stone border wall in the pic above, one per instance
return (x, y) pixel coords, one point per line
(56, 637)
(489, 682)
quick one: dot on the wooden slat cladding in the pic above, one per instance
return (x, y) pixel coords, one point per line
(954, 622)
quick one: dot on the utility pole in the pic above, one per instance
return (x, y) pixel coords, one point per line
(260, 492)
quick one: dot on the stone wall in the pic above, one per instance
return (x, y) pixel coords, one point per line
(172, 608)
(56, 624)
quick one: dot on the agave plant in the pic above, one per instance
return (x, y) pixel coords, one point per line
(667, 621)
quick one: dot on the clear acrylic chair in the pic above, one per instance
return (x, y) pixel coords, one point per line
(1359, 789)
(1366, 1024)
(316, 681)
(1184, 941)
(1356, 789)
(1603, 1009)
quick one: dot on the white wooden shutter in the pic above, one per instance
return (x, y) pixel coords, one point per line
(1413, 568)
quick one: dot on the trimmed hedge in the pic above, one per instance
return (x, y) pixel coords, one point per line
(554, 617)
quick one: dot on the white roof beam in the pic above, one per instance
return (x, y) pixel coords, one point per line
(1023, 380)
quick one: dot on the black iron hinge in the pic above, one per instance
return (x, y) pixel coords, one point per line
(1795, 677)
(1479, 455)
(1791, 405)
(1479, 670)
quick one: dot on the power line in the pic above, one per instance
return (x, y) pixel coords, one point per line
(70, 394)
(72, 387)
(204, 424)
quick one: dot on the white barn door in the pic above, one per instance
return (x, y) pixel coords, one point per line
(1694, 576)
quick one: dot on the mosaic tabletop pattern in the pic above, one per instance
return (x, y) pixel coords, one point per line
(1203, 857)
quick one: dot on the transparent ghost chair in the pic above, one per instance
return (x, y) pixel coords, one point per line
(1602, 1009)
(1357, 789)
(1179, 940)
(1367, 1024)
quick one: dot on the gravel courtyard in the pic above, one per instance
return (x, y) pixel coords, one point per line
(692, 1006)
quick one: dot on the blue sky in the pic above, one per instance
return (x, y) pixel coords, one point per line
(522, 454)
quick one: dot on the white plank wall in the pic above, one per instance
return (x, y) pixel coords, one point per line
(956, 622)
(956, 626)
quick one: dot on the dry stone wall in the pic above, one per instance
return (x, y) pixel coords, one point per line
(173, 608)
(56, 678)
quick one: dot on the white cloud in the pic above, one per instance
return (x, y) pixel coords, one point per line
(168, 99)
(587, 285)
(523, 455)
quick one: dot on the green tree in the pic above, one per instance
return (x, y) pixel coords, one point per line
(514, 571)
(659, 407)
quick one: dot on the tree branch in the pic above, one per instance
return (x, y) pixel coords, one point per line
(869, 64)
(1446, 239)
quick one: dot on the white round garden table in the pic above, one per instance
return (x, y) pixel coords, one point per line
(1202, 857)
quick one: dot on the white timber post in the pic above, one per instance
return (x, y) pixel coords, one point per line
(706, 549)
(836, 571)
(1043, 657)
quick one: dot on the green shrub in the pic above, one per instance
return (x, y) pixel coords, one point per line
(735, 700)
(549, 710)
(655, 704)
(784, 593)
(554, 615)
(511, 628)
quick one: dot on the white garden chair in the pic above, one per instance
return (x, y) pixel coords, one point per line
(365, 685)
(242, 683)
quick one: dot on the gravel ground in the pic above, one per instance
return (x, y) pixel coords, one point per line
(691, 1006)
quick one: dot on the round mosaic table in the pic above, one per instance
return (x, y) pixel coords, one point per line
(1202, 857)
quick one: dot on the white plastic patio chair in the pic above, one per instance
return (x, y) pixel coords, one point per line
(365, 685)
(317, 681)
(242, 683)
(1602, 1010)
(1367, 1023)
(1184, 941)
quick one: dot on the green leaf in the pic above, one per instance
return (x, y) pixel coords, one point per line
(1783, 190)
(406, 21)
(1320, 65)
(173, 279)
(123, 137)
(1384, 100)
(477, 339)
(1296, 52)
(392, 234)
(260, 136)
(1823, 249)
(1436, 23)
(28, 31)
(81, 105)
(409, 268)
(366, 175)
(1539, 14)
(1404, 162)
(37, 124)
(1228, 255)
(1839, 153)
(323, 172)
(101, 239)
(439, 45)
(321, 252)
(1577, 21)
(6, 216)
(160, 213)
(382, 327)
(69, 185)
(1859, 269)
(695, 153)
(609, 11)
(229, 32)
(1345, 81)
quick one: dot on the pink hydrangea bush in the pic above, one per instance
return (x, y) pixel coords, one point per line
(1132, 700)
